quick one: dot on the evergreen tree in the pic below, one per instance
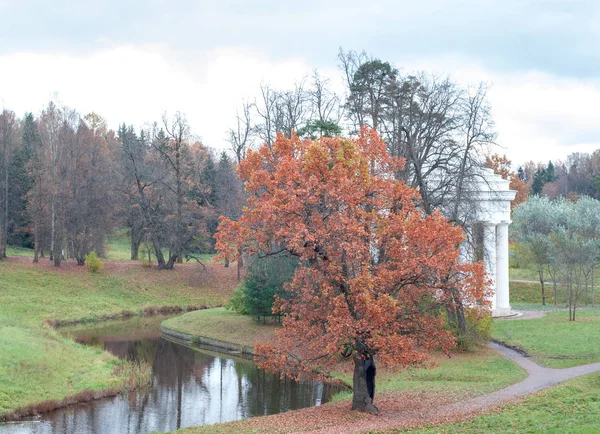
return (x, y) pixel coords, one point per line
(21, 184)
(538, 182)
(549, 175)
(265, 281)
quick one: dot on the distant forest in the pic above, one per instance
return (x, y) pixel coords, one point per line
(68, 181)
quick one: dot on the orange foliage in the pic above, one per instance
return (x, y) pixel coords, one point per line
(375, 271)
(501, 166)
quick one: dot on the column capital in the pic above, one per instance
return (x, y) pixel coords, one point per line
(488, 223)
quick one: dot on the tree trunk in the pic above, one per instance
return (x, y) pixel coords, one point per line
(361, 400)
(160, 259)
(456, 311)
(5, 228)
(541, 273)
(57, 249)
(36, 239)
(592, 287)
(52, 220)
(2, 244)
(137, 235)
(171, 263)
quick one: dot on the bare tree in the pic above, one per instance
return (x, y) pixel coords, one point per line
(171, 151)
(89, 217)
(267, 112)
(350, 62)
(324, 104)
(241, 137)
(132, 155)
(142, 177)
(50, 126)
(292, 104)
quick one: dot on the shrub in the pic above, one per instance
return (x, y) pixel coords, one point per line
(264, 281)
(237, 302)
(478, 325)
(93, 262)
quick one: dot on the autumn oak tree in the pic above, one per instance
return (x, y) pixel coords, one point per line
(375, 271)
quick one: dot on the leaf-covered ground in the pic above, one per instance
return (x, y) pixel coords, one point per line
(414, 392)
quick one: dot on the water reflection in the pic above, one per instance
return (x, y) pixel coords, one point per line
(190, 387)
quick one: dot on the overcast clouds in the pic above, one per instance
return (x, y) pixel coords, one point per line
(130, 61)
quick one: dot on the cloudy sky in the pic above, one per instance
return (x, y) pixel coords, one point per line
(133, 60)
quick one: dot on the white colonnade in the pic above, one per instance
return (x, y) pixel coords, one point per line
(493, 196)
(496, 260)
(489, 206)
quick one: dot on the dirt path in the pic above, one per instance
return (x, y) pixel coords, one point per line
(539, 378)
(525, 314)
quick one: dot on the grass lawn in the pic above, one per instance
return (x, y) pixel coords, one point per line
(572, 407)
(524, 294)
(223, 325)
(464, 374)
(552, 340)
(528, 296)
(525, 273)
(36, 363)
(118, 248)
(19, 251)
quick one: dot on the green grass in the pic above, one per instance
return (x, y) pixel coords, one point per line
(18, 251)
(531, 273)
(572, 407)
(223, 325)
(38, 364)
(521, 292)
(525, 273)
(31, 295)
(526, 296)
(552, 340)
(118, 247)
(466, 374)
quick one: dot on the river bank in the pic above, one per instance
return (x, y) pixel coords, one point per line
(39, 368)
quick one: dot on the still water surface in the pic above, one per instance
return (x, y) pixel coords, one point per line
(189, 387)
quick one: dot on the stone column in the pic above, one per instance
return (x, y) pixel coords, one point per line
(489, 255)
(502, 288)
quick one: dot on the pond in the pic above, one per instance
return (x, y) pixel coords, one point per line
(190, 386)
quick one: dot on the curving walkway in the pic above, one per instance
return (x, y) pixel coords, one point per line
(538, 378)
